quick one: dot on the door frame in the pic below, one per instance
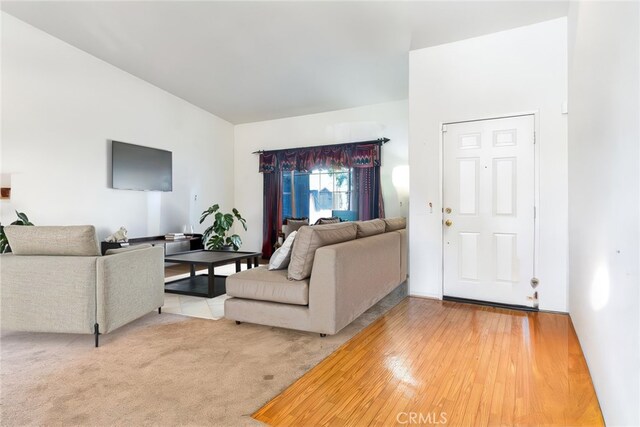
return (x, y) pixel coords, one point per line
(536, 181)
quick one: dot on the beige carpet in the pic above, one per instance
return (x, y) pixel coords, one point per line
(160, 370)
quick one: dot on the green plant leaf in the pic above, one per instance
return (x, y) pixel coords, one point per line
(22, 217)
(235, 240)
(215, 235)
(239, 218)
(211, 209)
(228, 220)
(4, 243)
(207, 233)
(215, 243)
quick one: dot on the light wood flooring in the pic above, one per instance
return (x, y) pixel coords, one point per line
(429, 362)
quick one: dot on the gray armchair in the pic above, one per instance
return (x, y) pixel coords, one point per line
(56, 281)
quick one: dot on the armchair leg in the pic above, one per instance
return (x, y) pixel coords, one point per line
(323, 335)
(238, 322)
(96, 331)
(159, 310)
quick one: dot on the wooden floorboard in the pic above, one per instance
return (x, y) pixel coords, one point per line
(437, 362)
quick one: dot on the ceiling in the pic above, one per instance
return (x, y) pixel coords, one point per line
(253, 61)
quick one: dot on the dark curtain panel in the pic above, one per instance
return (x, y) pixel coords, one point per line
(368, 193)
(272, 211)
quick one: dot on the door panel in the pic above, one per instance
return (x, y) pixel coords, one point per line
(488, 186)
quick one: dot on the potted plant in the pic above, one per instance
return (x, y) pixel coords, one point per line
(4, 243)
(215, 236)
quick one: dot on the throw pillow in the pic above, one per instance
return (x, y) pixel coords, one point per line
(301, 219)
(281, 257)
(70, 240)
(370, 228)
(309, 239)
(394, 224)
(293, 224)
(330, 220)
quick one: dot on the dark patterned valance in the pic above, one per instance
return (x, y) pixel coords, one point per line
(356, 155)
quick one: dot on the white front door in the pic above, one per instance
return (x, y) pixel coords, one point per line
(488, 218)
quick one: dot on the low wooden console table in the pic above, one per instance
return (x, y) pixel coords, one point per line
(189, 243)
(207, 285)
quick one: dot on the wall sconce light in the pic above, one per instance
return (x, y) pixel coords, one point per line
(400, 180)
(5, 186)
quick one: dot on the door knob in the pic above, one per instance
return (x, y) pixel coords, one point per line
(448, 223)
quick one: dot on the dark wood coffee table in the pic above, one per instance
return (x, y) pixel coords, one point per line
(207, 285)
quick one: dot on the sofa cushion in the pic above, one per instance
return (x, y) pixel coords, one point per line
(328, 220)
(292, 221)
(281, 257)
(370, 228)
(394, 224)
(71, 240)
(309, 239)
(265, 285)
(293, 224)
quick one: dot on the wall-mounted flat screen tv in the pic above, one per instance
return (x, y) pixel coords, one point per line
(134, 167)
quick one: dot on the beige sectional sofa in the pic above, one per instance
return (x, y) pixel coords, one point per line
(346, 278)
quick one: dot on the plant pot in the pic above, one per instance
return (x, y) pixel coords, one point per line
(227, 248)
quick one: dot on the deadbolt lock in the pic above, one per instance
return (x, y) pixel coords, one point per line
(448, 210)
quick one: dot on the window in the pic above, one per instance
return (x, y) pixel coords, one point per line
(318, 194)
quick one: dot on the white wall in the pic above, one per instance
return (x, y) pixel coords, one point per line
(519, 70)
(351, 125)
(604, 160)
(61, 105)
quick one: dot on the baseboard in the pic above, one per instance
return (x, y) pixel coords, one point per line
(425, 296)
(490, 304)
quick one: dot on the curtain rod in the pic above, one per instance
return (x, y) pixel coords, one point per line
(379, 140)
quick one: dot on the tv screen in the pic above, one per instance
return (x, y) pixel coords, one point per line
(134, 167)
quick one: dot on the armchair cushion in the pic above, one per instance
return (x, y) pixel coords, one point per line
(71, 240)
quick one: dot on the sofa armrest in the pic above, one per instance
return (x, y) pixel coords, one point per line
(48, 293)
(323, 290)
(348, 278)
(129, 285)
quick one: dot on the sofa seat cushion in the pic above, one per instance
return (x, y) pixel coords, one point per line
(268, 285)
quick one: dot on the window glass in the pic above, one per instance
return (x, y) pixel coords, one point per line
(317, 194)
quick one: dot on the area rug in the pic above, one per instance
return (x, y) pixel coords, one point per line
(160, 370)
(204, 308)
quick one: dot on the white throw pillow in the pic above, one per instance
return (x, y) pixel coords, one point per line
(281, 257)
